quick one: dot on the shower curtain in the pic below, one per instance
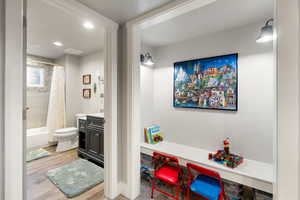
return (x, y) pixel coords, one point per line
(56, 118)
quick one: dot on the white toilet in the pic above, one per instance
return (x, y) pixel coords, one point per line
(67, 138)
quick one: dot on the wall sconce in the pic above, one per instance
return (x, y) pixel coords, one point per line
(147, 59)
(266, 32)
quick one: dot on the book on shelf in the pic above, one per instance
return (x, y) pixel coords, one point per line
(152, 134)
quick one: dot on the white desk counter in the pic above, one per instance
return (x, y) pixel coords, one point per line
(252, 173)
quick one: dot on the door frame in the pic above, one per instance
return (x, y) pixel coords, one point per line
(2, 41)
(15, 96)
(286, 53)
(132, 59)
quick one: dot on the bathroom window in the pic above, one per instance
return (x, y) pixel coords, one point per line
(35, 77)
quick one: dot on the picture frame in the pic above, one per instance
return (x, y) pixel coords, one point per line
(86, 93)
(207, 83)
(86, 79)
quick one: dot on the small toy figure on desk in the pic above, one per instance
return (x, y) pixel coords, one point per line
(225, 157)
(226, 145)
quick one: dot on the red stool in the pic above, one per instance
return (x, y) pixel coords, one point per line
(166, 169)
(207, 184)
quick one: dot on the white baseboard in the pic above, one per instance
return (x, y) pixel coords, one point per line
(123, 189)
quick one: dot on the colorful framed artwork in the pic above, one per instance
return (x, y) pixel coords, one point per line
(86, 79)
(86, 93)
(207, 83)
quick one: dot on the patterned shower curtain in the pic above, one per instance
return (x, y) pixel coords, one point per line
(56, 118)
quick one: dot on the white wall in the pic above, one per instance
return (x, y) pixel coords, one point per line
(75, 67)
(251, 128)
(73, 85)
(73, 95)
(147, 101)
(93, 64)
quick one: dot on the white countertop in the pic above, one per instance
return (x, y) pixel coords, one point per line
(252, 173)
(96, 115)
(83, 116)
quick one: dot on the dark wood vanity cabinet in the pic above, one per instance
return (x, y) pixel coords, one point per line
(82, 135)
(91, 139)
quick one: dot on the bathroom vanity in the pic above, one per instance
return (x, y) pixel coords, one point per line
(91, 138)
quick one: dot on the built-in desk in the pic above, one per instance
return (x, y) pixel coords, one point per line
(251, 173)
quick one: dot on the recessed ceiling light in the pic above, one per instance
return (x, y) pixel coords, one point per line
(88, 25)
(73, 51)
(57, 43)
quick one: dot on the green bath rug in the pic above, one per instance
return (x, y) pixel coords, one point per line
(76, 177)
(36, 154)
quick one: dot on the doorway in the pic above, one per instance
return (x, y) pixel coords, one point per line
(15, 173)
(136, 30)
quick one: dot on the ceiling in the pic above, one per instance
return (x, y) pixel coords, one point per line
(218, 16)
(47, 24)
(123, 10)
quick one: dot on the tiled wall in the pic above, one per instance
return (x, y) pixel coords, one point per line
(38, 98)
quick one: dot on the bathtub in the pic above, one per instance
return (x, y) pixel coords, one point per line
(37, 137)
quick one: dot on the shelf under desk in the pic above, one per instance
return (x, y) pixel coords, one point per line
(251, 173)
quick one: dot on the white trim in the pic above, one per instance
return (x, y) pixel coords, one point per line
(110, 113)
(167, 12)
(288, 97)
(275, 138)
(133, 127)
(122, 189)
(15, 80)
(2, 63)
(14, 101)
(133, 44)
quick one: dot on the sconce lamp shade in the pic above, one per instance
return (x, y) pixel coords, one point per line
(266, 33)
(147, 59)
